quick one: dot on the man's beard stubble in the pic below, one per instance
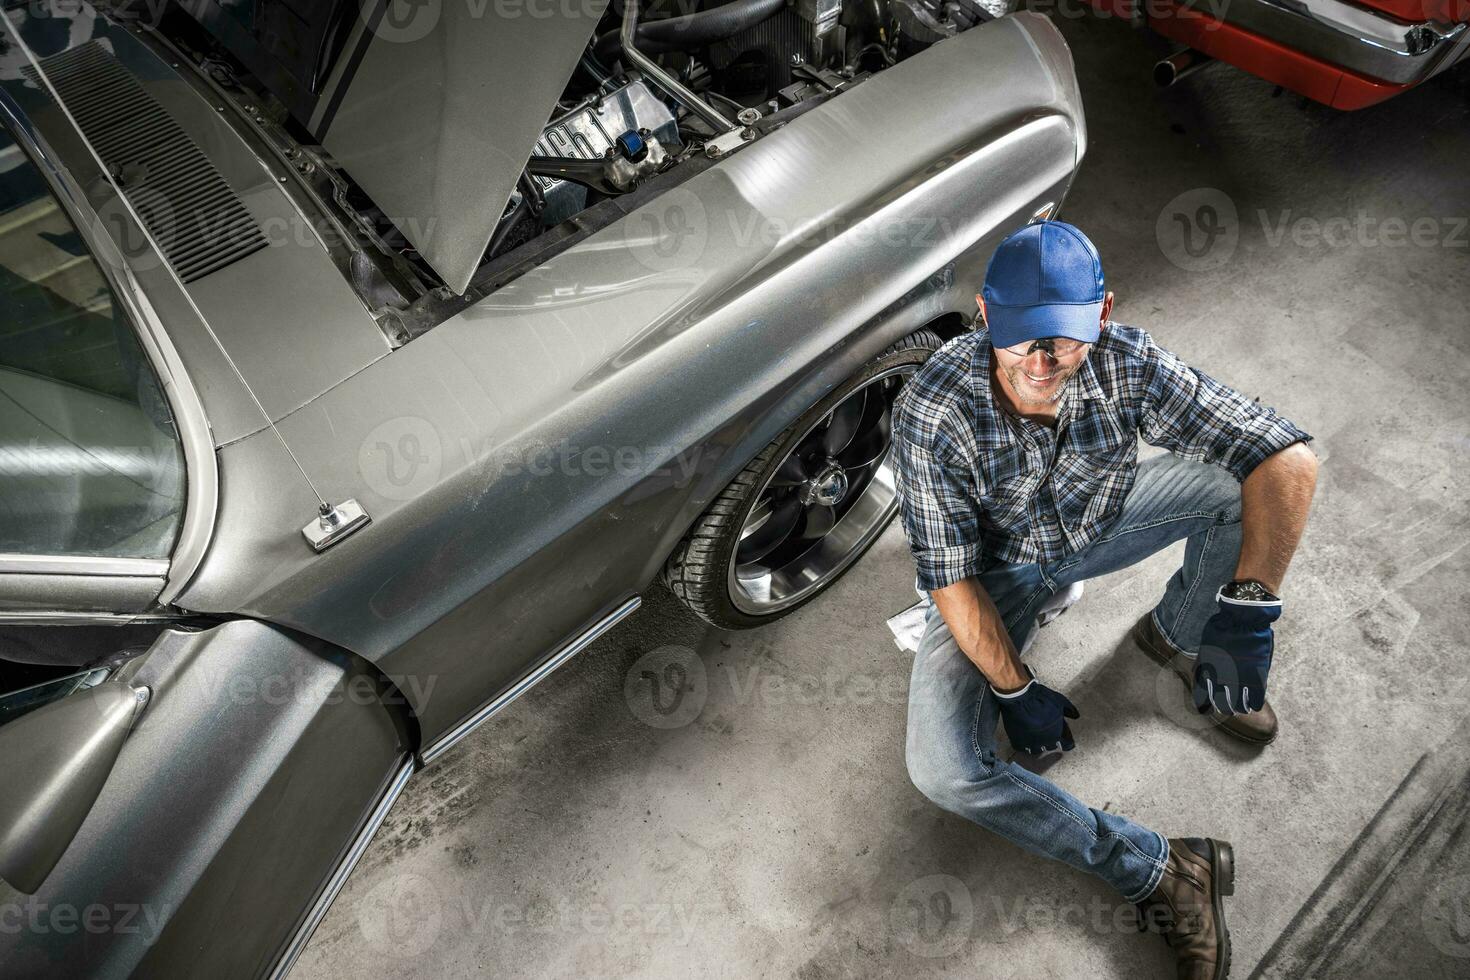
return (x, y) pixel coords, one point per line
(1016, 378)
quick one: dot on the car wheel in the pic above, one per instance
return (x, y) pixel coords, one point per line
(805, 509)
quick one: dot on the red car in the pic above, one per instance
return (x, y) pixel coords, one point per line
(1346, 55)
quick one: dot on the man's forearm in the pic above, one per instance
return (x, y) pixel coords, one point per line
(977, 627)
(1274, 500)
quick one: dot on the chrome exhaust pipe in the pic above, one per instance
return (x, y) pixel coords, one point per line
(1180, 64)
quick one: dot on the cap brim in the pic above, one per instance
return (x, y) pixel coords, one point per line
(1011, 325)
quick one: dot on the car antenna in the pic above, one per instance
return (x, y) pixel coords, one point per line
(333, 521)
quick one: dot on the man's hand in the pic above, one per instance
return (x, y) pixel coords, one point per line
(1034, 715)
(977, 627)
(1235, 655)
(1035, 718)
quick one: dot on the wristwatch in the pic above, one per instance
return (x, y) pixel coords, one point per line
(1248, 590)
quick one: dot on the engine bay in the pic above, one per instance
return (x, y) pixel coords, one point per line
(705, 83)
(657, 90)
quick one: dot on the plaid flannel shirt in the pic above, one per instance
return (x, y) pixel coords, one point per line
(979, 486)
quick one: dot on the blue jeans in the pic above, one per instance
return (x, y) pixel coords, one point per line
(951, 749)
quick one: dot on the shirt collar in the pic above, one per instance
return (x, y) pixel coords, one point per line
(1085, 384)
(1082, 395)
(993, 431)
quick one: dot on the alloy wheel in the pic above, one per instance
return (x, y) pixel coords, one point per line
(821, 508)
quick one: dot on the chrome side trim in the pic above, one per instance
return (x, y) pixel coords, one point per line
(294, 946)
(493, 707)
(22, 617)
(83, 565)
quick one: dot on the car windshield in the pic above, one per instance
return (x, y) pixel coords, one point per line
(90, 462)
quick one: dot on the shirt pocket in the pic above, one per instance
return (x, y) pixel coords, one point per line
(1089, 487)
(1107, 503)
(1007, 483)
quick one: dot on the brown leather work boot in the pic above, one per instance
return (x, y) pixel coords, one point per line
(1186, 907)
(1256, 727)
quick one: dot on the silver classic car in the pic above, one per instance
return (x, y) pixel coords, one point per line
(361, 364)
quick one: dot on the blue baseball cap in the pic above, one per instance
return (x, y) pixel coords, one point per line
(1044, 281)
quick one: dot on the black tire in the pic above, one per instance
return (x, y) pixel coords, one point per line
(699, 570)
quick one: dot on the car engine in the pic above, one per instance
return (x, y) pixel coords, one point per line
(659, 85)
(627, 116)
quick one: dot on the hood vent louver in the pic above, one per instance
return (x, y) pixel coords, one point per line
(188, 207)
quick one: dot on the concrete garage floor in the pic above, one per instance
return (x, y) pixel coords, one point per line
(768, 828)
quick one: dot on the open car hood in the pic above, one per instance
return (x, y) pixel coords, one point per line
(435, 111)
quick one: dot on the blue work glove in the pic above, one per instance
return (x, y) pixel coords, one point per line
(1035, 717)
(1235, 651)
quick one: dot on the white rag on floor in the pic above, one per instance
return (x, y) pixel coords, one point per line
(908, 626)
